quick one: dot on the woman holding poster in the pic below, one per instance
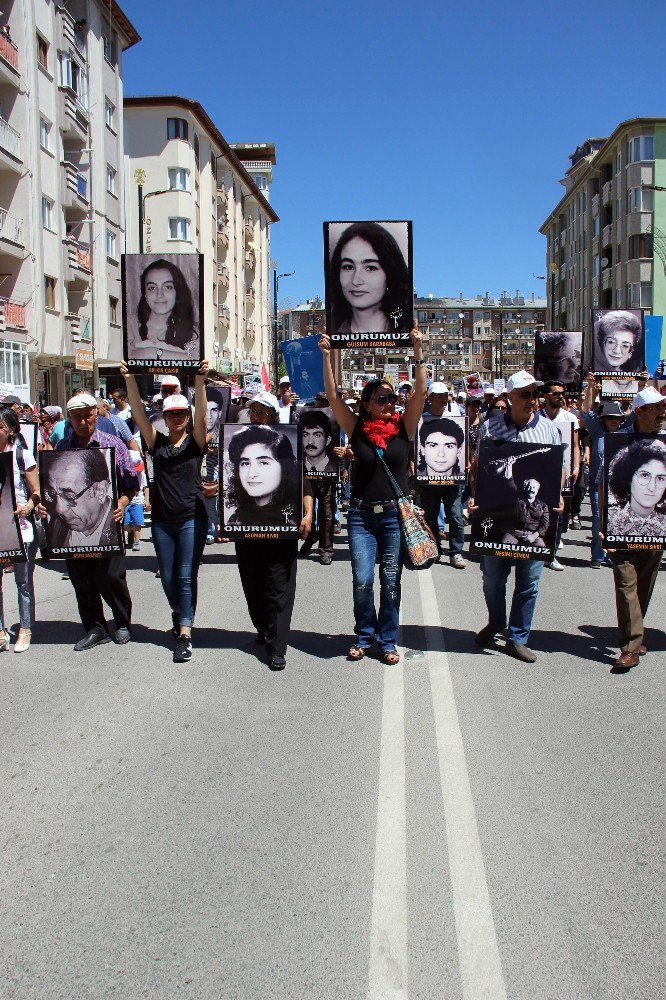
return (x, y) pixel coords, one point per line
(26, 488)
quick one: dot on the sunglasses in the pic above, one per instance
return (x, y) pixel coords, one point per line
(528, 394)
(176, 413)
(384, 398)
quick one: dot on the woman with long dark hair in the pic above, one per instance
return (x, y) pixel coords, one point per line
(370, 282)
(373, 520)
(263, 476)
(637, 481)
(165, 314)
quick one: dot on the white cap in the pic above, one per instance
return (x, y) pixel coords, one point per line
(405, 384)
(268, 400)
(520, 380)
(351, 402)
(462, 395)
(170, 380)
(285, 380)
(157, 398)
(489, 391)
(175, 402)
(438, 387)
(646, 396)
(85, 400)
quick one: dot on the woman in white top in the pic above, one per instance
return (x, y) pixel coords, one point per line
(26, 486)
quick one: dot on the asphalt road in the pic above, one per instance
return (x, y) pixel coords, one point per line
(459, 826)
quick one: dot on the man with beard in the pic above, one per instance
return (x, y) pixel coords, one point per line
(321, 468)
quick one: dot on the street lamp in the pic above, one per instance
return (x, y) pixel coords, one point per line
(276, 282)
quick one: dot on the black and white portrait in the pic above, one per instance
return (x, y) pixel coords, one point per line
(162, 311)
(559, 356)
(29, 431)
(618, 341)
(11, 542)
(320, 434)
(518, 485)
(217, 404)
(369, 283)
(566, 431)
(634, 492)
(79, 492)
(441, 450)
(262, 480)
(619, 387)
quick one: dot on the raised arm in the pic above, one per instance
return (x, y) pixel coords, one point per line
(139, 415)
(414, 409)
(344, 416)
(200, 405)
(590, 392)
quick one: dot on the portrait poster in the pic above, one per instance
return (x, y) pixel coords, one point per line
(559, 356)
(619, 387)
(303, 361)
(29, 431)
(618, 342)
(634, 501)
(162, 311)
(261, 480)
(518, 485)
(441, 450)
(320, 434)
(368, 272)
(473, 385)
(218, 398)
(566, 432)
(79, 492)
(12, 549)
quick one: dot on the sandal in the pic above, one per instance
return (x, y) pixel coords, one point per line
(391, 657)
(356, 653)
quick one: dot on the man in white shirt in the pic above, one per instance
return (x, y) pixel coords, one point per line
(554, 410)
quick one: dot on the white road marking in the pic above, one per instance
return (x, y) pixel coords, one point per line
(478, 953)
(388, 936)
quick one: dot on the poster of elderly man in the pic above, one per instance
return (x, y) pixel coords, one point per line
(162, 311)
(518, 486)
(618, 342)
(79, 493)
(262, 481)
(369, 283)
(558, 356)
(320, 434)
(12, 549)
(441, 450)
(634, 492)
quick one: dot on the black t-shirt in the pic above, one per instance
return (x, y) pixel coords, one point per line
(370, 479)
(176, 493)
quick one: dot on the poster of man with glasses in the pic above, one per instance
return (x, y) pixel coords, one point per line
(79, 493)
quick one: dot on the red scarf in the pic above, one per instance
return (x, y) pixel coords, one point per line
(381, 432)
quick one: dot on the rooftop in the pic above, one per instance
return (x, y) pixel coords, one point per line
(124, 23)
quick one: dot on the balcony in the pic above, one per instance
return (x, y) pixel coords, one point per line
(224, 317)
(9, 61)
(250, 260)
(222, 195)
(71, 33)
(223, 275)
(248, 229)
(595, 245)
(607, 236)
(75, 192)
(78, 262)
(250, 298)
(607, 278)
(73, 114)
(12, 315)
(595, 205)
(223, 235)
(11, 234)
(607, 193)
(10, 142)
(250, 330)
(73, 326)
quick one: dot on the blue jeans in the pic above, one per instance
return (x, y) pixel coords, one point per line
(178, 547)
(213, 516)
(431, 499)
(23, 574)
(496, 572)
(596, 548)
(369, 533)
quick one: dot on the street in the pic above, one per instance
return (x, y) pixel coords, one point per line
(462, 825)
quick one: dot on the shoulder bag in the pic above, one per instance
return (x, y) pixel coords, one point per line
(420, 547)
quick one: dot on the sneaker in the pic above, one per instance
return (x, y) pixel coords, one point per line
(183, 651)
(575, 523)
(597, 564)
(457, 561)
(561, 545)
(136, 547)
(325, 560)
(555, 565)
(210, 539)
(337, 529)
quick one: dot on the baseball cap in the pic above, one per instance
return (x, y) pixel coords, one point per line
(489, 391)
(473, 401)
(404, 385)
(175, 402)
(157, 398)
(285, 380)
(438, 387)
(11, 401)
(81, 402)
(170, 380)
(267, 399)
(521, 380)
(612, 409)
(646, 396)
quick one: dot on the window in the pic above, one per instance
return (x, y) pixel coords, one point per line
(618, 296)
(109, 114)
(178, 179)
(640, 246)
(595, 226)
(639, 149)
(50, 292)
(618, 255)
(111, 245)
(196, 150)
(422, 316)
(179, 229)
(113, 311)
(44, 134)
(618, 161)
(109, 41)
(595, 266)
(639, 294)
(110, 179)
(42, 52)
(47, 213)
(72, 76)
(477, 348)
(177, 129)
(640, 199)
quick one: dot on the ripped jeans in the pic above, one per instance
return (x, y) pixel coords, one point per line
(368, 534)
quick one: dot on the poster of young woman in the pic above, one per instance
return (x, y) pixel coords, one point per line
(518, 485)
(262, 480)
(618, 342)
(162, 311)
(30, 433)
(78, 489)
(11, 543)
(440, 450)
(619, 387)
(559, 356)
(634, 492)
(320, 434)
(368, 271)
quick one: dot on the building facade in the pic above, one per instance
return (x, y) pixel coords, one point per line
(61, 195)
(198, 196)
(606, 237)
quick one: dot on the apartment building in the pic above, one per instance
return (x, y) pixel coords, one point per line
(61, 197)
(494, 337)
(198, 196)
(606, 237)
(304, 320)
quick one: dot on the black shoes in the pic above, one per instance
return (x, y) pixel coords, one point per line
(520, 652)
(183, 651)
(123, 635)
(325, 560)
(95, 637)
(276, 662)
(486, 637)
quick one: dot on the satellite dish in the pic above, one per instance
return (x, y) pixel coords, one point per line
(604, 262)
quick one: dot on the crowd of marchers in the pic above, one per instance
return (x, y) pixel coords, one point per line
(166, 462)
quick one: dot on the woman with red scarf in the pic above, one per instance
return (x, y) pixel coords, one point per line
(373, 520)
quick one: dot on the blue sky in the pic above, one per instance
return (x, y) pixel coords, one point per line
(459, 119)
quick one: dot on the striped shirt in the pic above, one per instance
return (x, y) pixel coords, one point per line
(539, 430)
